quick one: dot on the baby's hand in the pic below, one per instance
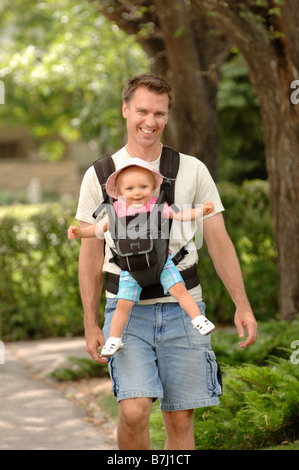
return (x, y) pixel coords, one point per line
(208, 208)
(73, 232)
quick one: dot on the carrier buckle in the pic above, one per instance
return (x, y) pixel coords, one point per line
(135, 246)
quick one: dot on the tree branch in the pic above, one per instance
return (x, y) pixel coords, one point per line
(244, 28)
(129, 16)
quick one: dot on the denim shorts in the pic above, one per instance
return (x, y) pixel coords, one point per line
(164, 357)
(129, 289)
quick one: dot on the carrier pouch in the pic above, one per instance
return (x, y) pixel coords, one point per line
(154, 260)
(136, 254)
(140, 248)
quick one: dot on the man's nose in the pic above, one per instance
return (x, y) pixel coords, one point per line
(150, 120)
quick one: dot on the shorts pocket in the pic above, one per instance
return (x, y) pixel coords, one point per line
(214, 375)
(115, 386)
(194, 338)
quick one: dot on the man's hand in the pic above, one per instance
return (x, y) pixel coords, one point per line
(227, 265)
(244, 319)
(94, 340)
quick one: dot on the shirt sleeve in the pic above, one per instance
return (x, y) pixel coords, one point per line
(90, 197)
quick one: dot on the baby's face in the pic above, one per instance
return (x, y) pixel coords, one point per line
(136, 185)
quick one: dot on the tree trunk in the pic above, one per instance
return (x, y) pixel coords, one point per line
(183, 47)
(283, 170)
(194, 114)
(272, 67)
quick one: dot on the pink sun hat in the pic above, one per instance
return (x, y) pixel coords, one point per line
(111, 187)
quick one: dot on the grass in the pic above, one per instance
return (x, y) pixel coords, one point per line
(80, 368)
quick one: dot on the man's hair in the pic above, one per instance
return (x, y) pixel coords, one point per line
(154, 83)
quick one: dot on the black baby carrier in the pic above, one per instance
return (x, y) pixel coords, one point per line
(142, 240)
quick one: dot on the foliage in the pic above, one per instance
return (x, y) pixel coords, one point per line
(249, 223)
(274, 339)
(38, 278)
(241, 143)
(259, 408)
(81, 368)
(64, 66)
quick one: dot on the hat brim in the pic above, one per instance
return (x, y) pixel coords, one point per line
(111, 184)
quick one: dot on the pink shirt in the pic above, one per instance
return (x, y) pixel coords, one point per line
(122, 210)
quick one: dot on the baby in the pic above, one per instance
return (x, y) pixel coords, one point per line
(134, 183)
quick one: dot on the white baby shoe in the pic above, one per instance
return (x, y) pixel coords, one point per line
(203, 325)
(111, 346)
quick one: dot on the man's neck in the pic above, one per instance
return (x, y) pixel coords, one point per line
(150, 154)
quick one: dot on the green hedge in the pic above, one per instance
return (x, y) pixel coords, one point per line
(39, 292)
(259, 408)
(38, 278)
(274, 339)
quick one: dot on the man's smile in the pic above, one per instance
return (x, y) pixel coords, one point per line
(147, 131)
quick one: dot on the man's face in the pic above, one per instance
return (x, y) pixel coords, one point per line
(146, 115)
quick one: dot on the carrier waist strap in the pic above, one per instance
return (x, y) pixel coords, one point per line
(189, 275)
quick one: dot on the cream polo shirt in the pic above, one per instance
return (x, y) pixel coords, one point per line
(194, 185)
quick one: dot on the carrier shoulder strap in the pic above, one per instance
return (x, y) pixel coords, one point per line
(103, 167)
(169, 167)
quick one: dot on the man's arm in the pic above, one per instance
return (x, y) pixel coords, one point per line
(227, 266)
(91, 260)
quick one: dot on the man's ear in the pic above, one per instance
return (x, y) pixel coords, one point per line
(124, 109)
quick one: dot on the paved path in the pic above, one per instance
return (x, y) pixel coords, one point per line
(37, 416)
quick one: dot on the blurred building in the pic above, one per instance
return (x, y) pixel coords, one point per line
(21, 166)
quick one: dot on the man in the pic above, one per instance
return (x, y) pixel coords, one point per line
(163, 358)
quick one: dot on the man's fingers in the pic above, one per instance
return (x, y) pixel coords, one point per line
(240, 330)
(96, 356)
(251, 327)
